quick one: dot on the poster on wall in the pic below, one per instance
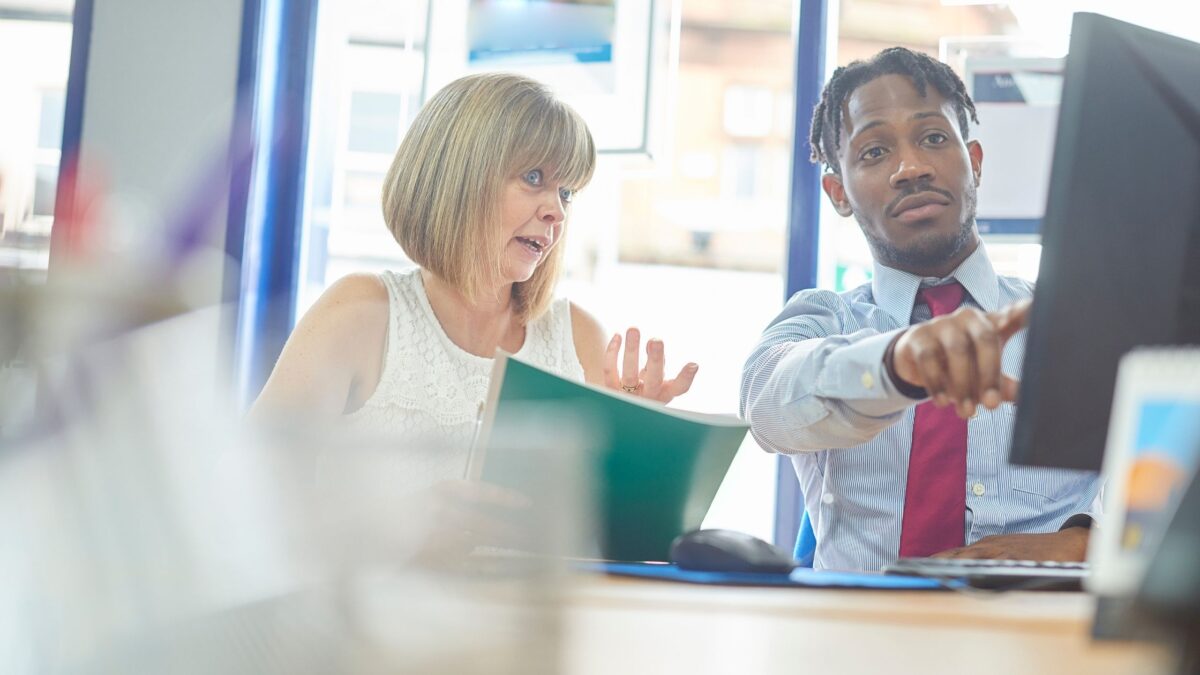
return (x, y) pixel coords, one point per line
(1016, 99)
(595, 54)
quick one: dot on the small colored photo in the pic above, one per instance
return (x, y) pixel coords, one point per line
(1164, 459)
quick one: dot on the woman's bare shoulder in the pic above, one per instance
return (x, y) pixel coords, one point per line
(353, 310)
(358, 292)
(336, 345)
(583, 321)
(590, 341)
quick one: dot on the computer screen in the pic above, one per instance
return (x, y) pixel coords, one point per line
(1121, 236)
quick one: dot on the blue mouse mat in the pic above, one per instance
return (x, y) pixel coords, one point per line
(801, 577)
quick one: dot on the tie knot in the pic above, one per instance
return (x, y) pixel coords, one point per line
(942, 299)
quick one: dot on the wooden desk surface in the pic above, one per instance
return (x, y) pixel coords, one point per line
(636, 626)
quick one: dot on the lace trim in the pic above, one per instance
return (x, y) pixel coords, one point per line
(424, 372)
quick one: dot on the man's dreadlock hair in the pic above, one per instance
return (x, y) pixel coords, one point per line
(921, 68)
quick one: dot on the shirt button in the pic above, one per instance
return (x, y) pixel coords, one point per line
(868, 381)
(978, 489)
(827, 499)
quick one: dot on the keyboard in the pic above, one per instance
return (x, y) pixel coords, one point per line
(997, 574)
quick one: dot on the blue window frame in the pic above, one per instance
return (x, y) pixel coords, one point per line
(804, 220)
(266, 201)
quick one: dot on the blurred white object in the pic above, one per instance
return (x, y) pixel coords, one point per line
(148, 531)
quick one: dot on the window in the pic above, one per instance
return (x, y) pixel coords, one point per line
(50, 119)
(45, 182)
(705, 210)
(739, 171)
(969, 35)
(367, 82)
(36, 35)
(375, 122)
(748, 110)
(663, 239)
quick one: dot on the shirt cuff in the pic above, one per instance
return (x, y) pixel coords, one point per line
(889, 363)
(856, 375)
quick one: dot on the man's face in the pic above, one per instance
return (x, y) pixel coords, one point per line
(907, 177)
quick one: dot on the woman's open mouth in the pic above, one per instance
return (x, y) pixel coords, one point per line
(537, 246)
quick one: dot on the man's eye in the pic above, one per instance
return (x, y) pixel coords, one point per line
(566, 195)
(937, 138)
(872, 153)
(534, 177)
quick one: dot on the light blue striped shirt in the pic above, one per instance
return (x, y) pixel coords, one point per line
(815, 388)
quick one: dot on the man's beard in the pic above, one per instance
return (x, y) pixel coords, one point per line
(925, 253)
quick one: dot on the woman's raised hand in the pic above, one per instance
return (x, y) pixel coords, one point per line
(647, 382)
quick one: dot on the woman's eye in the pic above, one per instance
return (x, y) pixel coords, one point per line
(534, 177)
(566, 195)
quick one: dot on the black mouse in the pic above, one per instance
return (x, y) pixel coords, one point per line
(728, 551)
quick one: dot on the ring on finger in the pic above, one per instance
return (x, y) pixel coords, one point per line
(632, 388)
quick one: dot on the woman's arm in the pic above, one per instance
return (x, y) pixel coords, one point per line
(590, 342)
(333, 359)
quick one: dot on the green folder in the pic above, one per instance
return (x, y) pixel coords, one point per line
(654, 470)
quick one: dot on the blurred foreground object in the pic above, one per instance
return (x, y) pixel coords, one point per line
(149, 531)
(145, 529)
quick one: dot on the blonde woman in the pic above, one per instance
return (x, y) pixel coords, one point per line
(478, 196)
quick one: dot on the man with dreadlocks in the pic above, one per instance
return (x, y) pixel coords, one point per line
(894, 399)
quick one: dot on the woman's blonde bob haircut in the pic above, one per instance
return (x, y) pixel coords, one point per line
(441, 196)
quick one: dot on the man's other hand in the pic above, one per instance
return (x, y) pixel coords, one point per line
(1069, 545)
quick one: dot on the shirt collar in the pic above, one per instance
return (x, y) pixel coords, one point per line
(895, 291)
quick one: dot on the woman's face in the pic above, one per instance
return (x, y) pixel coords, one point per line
(533, 213)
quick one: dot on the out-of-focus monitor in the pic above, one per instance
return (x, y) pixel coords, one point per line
(1121, 237)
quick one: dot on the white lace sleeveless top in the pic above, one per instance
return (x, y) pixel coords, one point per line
(431, 389)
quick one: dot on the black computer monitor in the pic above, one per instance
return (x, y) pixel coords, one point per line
(1121, 235)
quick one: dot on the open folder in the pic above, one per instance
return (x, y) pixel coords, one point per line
(654, 470)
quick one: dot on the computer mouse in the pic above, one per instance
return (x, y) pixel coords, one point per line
(728, 551)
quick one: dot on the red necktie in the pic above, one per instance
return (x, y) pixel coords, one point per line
(935, 499)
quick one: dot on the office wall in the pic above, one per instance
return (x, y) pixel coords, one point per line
(161, 87)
